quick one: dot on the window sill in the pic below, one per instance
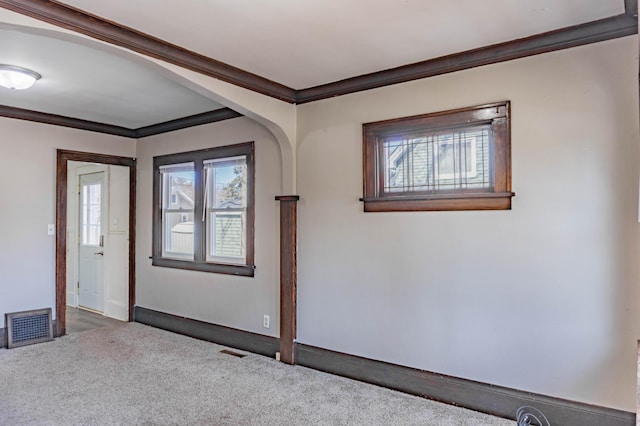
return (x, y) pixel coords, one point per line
(220, 268)
(440, 202)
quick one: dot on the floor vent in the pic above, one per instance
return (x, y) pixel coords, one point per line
(228, 352)
(28, 327)
(531, 416)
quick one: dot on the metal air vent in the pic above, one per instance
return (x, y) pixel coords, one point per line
(28, 327)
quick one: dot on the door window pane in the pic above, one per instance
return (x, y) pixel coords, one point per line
(90, 213)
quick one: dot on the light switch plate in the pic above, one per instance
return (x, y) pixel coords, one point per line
(51, 229)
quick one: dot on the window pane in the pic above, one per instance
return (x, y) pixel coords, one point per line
(178, 191)
(439, 162)
(178, 238)
(227, 183)
(226, 204)
(178, 188)
(90, 214)
(227, 236)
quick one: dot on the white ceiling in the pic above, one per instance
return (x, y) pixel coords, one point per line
(90, 83)
(304, 43)
(298, 43)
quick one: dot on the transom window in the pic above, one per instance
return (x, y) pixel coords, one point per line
(452, 160)
(203, 210)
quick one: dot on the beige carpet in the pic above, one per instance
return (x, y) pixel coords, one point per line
(132, 374)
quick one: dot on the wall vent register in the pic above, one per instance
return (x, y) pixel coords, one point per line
(28, 327)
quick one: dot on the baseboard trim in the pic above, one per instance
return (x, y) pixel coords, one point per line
(227, 336)
(491, 399)
(496, 400)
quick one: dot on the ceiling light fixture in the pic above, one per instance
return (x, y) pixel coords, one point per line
(17, 78)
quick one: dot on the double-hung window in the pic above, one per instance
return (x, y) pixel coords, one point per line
(204, 210)
(450, 160)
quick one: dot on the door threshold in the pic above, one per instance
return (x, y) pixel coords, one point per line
(91, 310)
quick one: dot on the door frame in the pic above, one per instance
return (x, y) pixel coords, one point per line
(63, 157)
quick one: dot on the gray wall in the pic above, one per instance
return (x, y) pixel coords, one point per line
(541, 298)
(238, 302)
(28, 178)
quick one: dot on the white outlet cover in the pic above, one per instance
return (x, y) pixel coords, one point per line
(51, 229)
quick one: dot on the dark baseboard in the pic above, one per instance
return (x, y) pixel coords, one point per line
(496, 400)
(239, 339)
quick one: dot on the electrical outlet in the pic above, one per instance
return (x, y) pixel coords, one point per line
(51, 229)
(265, 321)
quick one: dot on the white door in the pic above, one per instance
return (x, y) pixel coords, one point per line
(91, 242)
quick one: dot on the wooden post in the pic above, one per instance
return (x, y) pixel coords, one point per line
(288, 276)
(61, 243)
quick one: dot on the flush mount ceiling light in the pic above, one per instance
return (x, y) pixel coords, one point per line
(17, 78)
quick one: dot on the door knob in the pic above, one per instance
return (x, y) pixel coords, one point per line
(101, 253)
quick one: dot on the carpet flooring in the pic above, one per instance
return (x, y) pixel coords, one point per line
(132, 374)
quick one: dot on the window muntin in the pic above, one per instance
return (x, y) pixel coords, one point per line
(451, 160)
(438, 162)
(203, 210)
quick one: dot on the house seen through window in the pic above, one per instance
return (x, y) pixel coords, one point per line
(452, 160)
(449, 161)
(204, 210)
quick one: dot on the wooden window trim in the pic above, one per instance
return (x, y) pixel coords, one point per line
(497, 197)
(197, 157)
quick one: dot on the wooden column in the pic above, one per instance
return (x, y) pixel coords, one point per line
(288, 276)
(61, 243)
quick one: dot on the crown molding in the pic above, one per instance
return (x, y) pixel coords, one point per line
(93, 26)
(142, 132)
(591, 32)
(182, 123)
(59, 120)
